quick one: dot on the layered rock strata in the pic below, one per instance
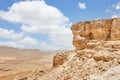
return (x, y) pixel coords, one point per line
(99, 30)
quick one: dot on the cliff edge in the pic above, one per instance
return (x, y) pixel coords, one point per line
(96, 57)
(99, 30)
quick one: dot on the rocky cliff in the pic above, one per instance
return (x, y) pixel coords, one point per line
(99, 30)
(96, 57)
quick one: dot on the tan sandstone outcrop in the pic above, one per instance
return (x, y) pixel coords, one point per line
(102, 30)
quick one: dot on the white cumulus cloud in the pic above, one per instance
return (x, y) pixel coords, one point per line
(82, 6)
(11, 44)
(27, 41)
(37, 17)
(117, 6)
(10, 34)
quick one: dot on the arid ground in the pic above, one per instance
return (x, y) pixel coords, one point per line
(15, 61)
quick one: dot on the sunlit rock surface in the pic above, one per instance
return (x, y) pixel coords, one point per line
(96, 57)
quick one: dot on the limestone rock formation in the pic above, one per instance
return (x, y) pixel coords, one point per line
(99, 63)
(96, 57)
(102, 30)
(60, 58)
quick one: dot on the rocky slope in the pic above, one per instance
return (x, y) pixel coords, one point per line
(96, 57)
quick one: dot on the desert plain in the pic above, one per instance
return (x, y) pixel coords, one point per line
(14, 62)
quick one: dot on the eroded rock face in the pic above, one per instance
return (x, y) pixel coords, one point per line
(99, 63)
(59, 59)
(96, 57)
(115, 30)
(101, 30)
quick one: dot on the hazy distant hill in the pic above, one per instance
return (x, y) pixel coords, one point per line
(15, 61)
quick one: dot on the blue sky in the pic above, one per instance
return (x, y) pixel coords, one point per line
(45, 24)
(95, 8)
